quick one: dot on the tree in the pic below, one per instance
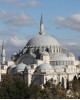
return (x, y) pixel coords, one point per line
(74, 83)
(76, 87)
(13, 88)
(68, 84)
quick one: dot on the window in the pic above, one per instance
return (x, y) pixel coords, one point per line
(58, 62)
(46, 78)
(55, 63)
(66, 62)
(71, 69)
(71, 62)
(68, 69)
(54, 70)
(64, 69)
(74, 69)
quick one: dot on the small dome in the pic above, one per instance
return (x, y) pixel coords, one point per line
(60, 57)
(70, 54)
(45, 66)
(20, 66)
(44, 53)
(58, 66)
(43, 40)
(12, 66)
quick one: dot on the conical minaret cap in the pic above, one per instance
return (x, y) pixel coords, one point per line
(3, 54)
(41, 21)
(2, 45)
(3, 50)
(41, 26)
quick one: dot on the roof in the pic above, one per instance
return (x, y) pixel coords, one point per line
(70, 54)
(21, 66)
(45, 66)
(43, 40)
(59, 66)
(12, 66)
(60, 57)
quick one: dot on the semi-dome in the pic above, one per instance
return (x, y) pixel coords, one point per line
(44, 53)
(21, 66)
(60, 57)
(70, 54)
(45, 66)
(12, 66)
(43, 40)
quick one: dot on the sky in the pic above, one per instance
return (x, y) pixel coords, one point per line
(20, 21)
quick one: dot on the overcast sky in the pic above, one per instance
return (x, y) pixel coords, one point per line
(20, 19)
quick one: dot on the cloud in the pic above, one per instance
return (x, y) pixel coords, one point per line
(72, 46)
(23, 4)
(5, 14)
(12, 21)
(71, 22)
(69, 42)
(12, 18)
(13, 45)
(20, 20)
(17, 42)
(6, 33)
(8, 1)
(72, 43)
(14, 41)
(31, 3)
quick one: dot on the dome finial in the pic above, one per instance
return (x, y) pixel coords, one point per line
(41, 26)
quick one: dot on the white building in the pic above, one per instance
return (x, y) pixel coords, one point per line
(43, 59)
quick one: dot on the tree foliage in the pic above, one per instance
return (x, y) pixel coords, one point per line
(14, 87)
(76, 87)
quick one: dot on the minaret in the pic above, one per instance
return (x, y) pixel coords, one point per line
(3, 54)
(41, 26)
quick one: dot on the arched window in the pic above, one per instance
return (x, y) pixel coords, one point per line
(68, 69)
(55, 63)
(57, 49)
(64, 69)
(71, 69)
(54, 70)
(47, 49)
(71, 62)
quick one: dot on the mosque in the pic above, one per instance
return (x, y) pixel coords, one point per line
(42, 59)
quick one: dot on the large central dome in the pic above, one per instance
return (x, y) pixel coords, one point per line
(43, 40)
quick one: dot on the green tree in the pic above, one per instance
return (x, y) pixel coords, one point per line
(13, 88)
